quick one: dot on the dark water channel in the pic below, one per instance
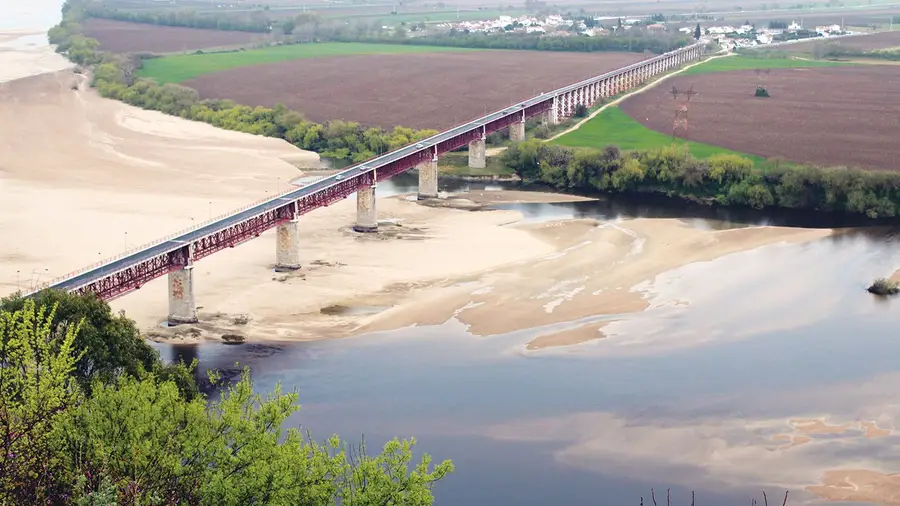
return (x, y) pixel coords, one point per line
(686, 399)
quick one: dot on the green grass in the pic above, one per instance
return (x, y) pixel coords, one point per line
(179, 68)
(612, 126)
(750, 63)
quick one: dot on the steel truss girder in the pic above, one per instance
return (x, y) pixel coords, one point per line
(132, 278)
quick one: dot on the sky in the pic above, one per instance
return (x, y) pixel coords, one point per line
(29, 14)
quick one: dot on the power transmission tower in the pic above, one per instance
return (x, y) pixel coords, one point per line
(682, 100)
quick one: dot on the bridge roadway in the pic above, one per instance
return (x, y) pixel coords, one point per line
(557, 103)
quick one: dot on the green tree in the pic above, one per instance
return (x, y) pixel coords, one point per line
(36, 388)
(142, 436)
(112, 344)
(697, 32)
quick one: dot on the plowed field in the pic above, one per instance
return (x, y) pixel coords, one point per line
(883, 40)
(121, 37)
(416, 90)
(828, 116)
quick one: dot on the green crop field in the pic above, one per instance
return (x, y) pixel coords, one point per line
(179, 68)
(751, 63)
(612, 126)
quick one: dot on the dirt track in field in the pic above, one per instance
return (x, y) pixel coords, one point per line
(121, 37)
(433, 90)
(827, 116)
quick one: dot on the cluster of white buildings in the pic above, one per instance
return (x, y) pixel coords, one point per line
(551, 24)
(528, 24)
(749, 36)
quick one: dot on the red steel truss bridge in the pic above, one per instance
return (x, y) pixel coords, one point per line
(129, 271)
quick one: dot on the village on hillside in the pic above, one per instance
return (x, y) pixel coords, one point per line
(732, 37)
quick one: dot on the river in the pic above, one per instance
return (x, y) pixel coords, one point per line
(694, 399)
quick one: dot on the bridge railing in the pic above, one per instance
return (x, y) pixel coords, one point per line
(158, 241)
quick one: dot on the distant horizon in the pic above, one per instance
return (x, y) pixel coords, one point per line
(35, 15)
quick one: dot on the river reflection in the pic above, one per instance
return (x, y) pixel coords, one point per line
(697, 396)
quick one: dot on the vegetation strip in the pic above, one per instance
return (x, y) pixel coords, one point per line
(725, 179)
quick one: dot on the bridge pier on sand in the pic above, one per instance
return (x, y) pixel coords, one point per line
(287, 245)
(477, 154)
(182, 304)
(366, 218)
(428, 179)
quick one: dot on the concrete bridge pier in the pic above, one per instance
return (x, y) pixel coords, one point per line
(182, 304)
(517, 131)
(428, 179)
(287, 246)
(366, 218)
(477, 154)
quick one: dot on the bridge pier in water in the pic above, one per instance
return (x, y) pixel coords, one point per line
(182, 304)
(428, 179)
(287, 246)
(366, 218)
(477, 154)
(517, 131)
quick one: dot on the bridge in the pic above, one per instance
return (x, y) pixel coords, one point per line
(175, 255)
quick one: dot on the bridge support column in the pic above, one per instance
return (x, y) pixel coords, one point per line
(477, 154)
(182, 304)
(428, 179)
(287, 246)
(366, 218)
(517, 131)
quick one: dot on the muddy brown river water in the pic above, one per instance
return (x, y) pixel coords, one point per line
(781, 373)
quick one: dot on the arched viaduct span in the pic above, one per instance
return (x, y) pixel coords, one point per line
(174, 255)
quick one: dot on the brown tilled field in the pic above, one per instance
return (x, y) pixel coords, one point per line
(882, 40)
(827, 116)
(121, 37)
(429, 90)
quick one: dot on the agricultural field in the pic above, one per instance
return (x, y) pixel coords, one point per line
(437, 90)
(752, 63)
(881, 40)
(179, 68)
(122, 37)
(614, 127)
(837, 116)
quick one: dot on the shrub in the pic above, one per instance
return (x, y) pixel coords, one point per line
(581, 111)
(543, 132)
(762, 92)
(883, 287)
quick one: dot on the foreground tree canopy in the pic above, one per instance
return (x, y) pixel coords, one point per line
(134, 437)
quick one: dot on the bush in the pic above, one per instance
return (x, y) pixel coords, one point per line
(581, 111)
(727, 179)
(883, 287)
(762, 92)
(543, 132)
